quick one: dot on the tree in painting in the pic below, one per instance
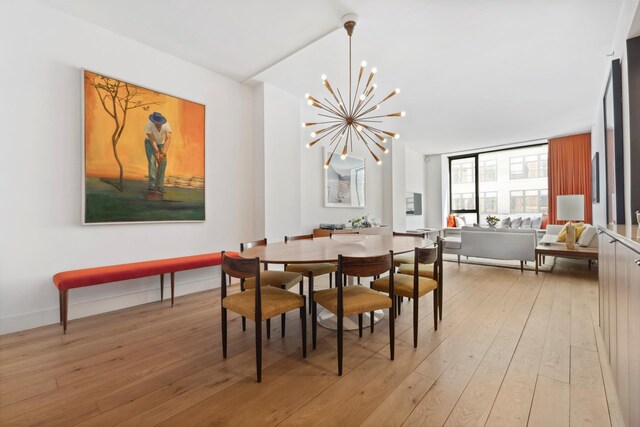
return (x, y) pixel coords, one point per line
(117, 99)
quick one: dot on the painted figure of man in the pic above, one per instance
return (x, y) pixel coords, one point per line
(156, 145)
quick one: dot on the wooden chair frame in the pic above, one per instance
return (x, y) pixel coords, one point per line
(358, 267)
(241, 268)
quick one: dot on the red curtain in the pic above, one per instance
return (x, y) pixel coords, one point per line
(570, 171)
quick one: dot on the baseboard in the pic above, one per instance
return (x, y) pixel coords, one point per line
(90, 307)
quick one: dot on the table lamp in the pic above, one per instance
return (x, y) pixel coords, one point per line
(570, 208)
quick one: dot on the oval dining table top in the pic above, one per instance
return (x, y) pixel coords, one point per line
(327, 249)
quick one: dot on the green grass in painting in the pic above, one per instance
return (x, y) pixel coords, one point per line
(105, 203)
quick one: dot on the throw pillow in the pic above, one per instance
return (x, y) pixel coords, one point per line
(536, 223)
(516, 222)
(460, 222)
(506, 222)
(451, 221)
(587, 236)
(526, 223)
(544, 221)
(562, 236)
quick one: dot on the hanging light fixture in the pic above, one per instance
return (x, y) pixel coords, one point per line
(357, 118)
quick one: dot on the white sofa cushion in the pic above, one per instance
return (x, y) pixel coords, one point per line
(526, 223)
(536, 222)
(516, 222)
(460, 222)
(587, 236)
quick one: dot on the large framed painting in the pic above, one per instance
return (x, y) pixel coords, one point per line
(144, 154)
(344, 182)
(614, 162)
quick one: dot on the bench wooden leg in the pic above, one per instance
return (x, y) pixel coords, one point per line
(60, 304)
(65, 310)
(173, 285)
(162, 287)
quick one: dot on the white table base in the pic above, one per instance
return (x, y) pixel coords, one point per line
(328, 320)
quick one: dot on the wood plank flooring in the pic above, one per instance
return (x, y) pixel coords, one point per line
(513, 348)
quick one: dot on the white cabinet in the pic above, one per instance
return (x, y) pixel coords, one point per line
(619, 307)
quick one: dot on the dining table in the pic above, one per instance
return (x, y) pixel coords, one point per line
(327, 249)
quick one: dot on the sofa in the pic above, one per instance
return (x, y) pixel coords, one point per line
(587, 239)
(493, 243)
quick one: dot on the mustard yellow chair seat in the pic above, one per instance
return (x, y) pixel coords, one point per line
(274, 278)
(274, 302)
(402, 259)
(317, 269)
(403, 285)
(356, 300)
(424, 270)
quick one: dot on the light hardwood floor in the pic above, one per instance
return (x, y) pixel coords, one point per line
(512, 349)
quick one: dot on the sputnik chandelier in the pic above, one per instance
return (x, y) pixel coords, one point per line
(356, 119)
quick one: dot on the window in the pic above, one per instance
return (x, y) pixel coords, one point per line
(508, 182)
(488, 202)
(531, 166)
(529, 201)
(488, 170)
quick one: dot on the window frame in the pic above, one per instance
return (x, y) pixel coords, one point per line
(475, 156)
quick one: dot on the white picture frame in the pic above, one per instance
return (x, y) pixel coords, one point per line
(345, 182)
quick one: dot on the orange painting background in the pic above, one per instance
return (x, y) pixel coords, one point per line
(186, 154)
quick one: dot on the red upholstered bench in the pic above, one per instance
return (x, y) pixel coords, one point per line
(114, 273)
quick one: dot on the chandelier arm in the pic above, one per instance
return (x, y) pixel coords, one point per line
(328, 128)
(380, 146)
(332, 117)
(384, 115)
(367, 120)
(358, 112)
(320, 123)
(350, 111)
(342, 100)
(319, 104)
(356, 91)
(344, 111)
(375, 107)
(338, 135)
(333, 106)
(327, 134)
(368, 148)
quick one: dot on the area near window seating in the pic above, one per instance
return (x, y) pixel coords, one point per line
(254, 213)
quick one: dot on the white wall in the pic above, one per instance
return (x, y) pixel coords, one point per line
(414, 183)
(312, 182)
(399, 186)
(627, 12)
(41, 162)
(282, 194)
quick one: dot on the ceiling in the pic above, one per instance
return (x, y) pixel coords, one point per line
(473, 73)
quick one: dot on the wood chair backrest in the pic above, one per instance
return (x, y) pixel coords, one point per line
(300, 237)
(365, 266)
(426, 255)
(249, 245)
(242, 268)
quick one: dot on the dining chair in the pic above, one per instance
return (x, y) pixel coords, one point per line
(310, 270)
(431, 271)
(407, 258)
(415, 286)
(279, 279)
(260, 303)
(351, 300)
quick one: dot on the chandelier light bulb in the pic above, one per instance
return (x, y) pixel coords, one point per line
(397, 91)
(326, 166)
(374, 70)
(310, 102)
(375, 86)
(362, 97)
(342, 156)
(306, 95)
(363, 64)
(313, 134)
(386, 150)
(396, 136)
(323, 77)
(308, 145)
(359, 128)
(377, 106)
(304, 125)
(384, 140)
(402, 114)
(379, 162)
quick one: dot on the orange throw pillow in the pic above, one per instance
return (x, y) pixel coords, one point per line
(545, 221)
(451, 221)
